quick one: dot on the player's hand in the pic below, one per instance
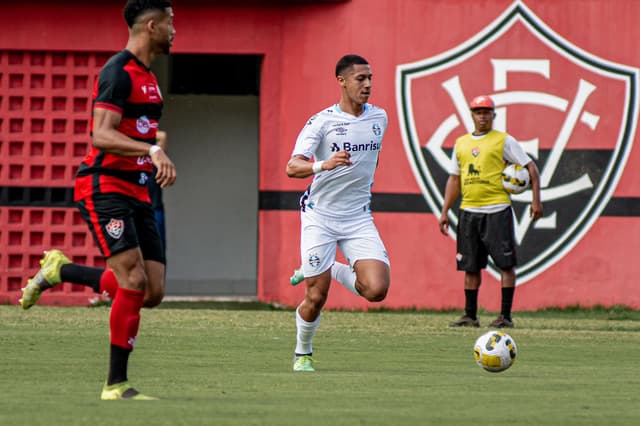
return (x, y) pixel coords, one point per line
(166, 175)
(535, 211)
(340, 158)
(444, 224)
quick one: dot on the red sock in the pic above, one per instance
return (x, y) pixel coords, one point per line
(125, 317)
(109, 283)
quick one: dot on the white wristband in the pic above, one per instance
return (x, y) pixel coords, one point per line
(154, 149)
(317, 167)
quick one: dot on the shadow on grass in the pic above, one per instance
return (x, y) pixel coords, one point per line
(226, 305)
(616, 312)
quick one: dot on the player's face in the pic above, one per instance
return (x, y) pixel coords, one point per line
(483, 119)
(165, 32)
(356, 83)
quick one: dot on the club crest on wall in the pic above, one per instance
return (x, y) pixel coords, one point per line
(573, 112)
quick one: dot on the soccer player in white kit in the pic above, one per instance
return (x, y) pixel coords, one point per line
(344, 140)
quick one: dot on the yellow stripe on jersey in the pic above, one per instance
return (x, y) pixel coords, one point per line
(481, 163)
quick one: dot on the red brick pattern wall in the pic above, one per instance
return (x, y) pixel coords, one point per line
(45, 101)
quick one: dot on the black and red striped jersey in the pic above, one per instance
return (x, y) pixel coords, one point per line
(125, 85)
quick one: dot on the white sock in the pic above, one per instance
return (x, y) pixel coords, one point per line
(304, 335)
(345, 276)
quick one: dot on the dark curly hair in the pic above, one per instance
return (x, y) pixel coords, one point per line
(134, 8)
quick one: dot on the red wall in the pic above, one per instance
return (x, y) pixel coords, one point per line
(301, 44)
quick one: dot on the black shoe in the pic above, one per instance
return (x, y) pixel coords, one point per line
(465, 321)
(501, 322)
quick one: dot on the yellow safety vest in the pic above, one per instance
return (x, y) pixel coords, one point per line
(481, 163)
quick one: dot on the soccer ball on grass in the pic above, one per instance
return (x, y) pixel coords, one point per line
(495, 351)
(515, 179)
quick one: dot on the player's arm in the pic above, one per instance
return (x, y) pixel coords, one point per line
(161, 140)
(166, 174)
(535, 211)
(114, 88)
(299, 166)
(312, 134)
(108, 138)
(515, 154)
(451, 193)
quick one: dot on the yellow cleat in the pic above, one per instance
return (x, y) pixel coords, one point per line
(47, 277)
(303, 363)
(123, 390)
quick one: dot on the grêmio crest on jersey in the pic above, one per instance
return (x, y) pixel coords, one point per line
(574, 113)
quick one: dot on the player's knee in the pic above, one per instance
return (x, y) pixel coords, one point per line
(377, 295)
(135, 279)
(153, 297)
(375, 292)
(316, 300)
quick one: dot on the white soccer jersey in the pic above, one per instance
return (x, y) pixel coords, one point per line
(346, 190)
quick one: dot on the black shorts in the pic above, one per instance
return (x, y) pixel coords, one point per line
(484, 234)
(119, 223)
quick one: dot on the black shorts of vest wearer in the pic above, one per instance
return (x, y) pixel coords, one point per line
(485, 234)
(139, 225)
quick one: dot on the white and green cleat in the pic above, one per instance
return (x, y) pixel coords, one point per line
(303, 363)
(48, 276)
(297, 277)
(120, 391)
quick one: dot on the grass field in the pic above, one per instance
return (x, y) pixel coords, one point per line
(233, 367)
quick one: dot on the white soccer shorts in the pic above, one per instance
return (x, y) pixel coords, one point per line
(357, 238)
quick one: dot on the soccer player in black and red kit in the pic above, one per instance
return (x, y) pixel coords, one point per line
(112, 194)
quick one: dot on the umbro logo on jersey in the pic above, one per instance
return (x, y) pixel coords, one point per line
(588, 107)
(340, 131)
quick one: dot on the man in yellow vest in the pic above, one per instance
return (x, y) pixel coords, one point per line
(485, 225)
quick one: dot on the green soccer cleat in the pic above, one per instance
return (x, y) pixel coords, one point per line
(303, 363)
(297, 277)
(47, 277)
(123, 391)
